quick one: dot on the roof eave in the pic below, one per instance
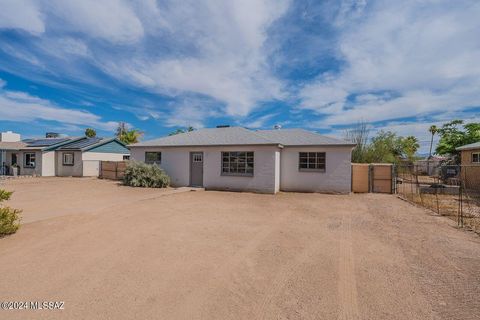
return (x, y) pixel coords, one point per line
(321, 145)
(102, 142)
(467, 148)
(204, 145)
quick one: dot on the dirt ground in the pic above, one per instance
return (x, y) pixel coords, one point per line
(111, 252)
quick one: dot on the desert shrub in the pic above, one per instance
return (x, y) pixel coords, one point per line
(139, 174)
(9, 218)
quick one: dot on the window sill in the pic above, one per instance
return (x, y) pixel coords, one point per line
(312, 170)
(247, 175)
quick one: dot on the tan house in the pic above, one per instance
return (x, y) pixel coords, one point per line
(470, 160)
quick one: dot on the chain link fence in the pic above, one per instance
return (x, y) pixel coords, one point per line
(449, 190)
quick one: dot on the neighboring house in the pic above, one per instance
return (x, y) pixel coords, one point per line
(82, 157)
(430, 165)
(470, 160)
(65, 156)
(470, 154)
(235, 158)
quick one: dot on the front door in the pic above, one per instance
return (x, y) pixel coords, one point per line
(14, 159)
(196, 169)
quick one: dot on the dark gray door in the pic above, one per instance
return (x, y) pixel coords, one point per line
(196, 169)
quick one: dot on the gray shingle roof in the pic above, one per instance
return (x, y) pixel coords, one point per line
(242, 136)
(300, 137)
(207, 137)
(475, 145)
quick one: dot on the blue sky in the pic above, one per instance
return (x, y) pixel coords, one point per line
(162, 65)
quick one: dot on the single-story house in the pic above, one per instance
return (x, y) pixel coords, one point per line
(267, 161)
(429, 165)
(470, 154)
(470, 161)
(66, 156)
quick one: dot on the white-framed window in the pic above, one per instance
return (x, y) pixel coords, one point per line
(30, 158)
(153, 157)
(126, 157)
(476, 157)
(197, 157)
(237, 163)
(312, 161)
(68, 159)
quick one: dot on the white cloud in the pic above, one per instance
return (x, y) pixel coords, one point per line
(209, 48)
(190, 112)
(110, 20)
(226, 58)
(259, 122)
(424, 53)
(20, 106)
(21, 14)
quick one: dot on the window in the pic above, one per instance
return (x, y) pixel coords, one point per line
(30, 160)
(311, 161)
(197, 157)
(153, 157)
(126, 157)
(237, 163)
(476, 157)
(68, 159)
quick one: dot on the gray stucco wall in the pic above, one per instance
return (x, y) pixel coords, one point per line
(30, 171)
(176, 162)
(335, 179)
(69, 171)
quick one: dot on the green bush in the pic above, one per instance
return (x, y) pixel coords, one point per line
(139, 174)
(9, 218)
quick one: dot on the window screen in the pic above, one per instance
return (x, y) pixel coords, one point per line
(237, 163)
(153, 157)
(311, 161)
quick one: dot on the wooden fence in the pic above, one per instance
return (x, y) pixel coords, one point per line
(375, 177)
(112, 170)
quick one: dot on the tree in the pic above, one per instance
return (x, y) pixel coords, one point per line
(359, 136)
(90, 133)
(453, 136)
(9, 218)
(127, 136)
(386, 147)
(410, 146)
(433, 130)
(178, 131)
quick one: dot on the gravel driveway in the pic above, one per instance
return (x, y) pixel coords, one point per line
(112, 252)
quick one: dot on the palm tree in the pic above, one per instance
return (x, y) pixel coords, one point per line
(127, 136)
(433, 130)
(90, 133)
(131, 136)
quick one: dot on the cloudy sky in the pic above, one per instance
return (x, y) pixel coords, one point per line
(159, 65)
